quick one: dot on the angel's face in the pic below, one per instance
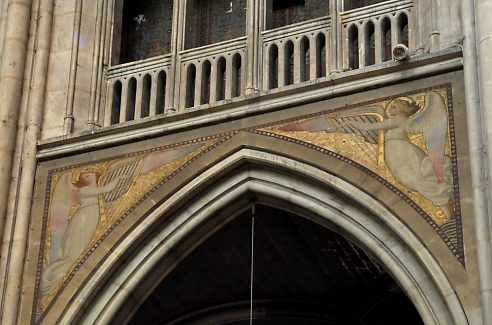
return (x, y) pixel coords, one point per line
(394, 109)
(88, 178)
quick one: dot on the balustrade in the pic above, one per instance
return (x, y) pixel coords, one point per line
(370, 33)
(295, 53)
(136, 90)
(288, 55)
(212, 73)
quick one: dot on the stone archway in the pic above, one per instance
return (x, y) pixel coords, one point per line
(303, 273)
(291, 185)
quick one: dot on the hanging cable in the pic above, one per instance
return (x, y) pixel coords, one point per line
(252, 263)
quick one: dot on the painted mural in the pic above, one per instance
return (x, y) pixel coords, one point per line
(86, 201)
(405, 142)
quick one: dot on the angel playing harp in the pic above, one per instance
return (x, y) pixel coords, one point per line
(78, 199)
(429, 174)
(80, 225)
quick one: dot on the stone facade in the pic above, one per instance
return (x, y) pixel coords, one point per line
(128, 129)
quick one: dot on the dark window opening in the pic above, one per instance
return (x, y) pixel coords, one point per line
(221, 76)
(146, 90)
(205, 85)
(116, 105)
(145, 30)
(211, 21)
(130, 99)
(353, 48)
(190, 86)
(161, 93)
(370, 47)
(320, 56)
(286, 12)
(386, 39)
(284, 4)
(403, 29)
(273, 67)
(354, 4)
(236, 75)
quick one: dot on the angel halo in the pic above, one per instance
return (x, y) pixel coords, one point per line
(406, 105)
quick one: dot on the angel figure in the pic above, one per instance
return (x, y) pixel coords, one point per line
(429, 174)
(69, 239)
(78, 199)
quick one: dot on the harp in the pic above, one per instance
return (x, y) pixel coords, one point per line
(113, 198)
(369, 136)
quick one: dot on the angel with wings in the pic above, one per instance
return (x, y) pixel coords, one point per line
(80, 200)
(82, 222)
(427, 173)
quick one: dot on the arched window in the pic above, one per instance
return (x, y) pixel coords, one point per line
(273, 67)
(221, 75)
(386, 39)
(353, 47)
(236, 75)
(161, 92)
(205, 83)
(146, 89)
(190, 86)
(130, 99)
(116, 105)
(305, 59)
(403, 29)
(370, 49)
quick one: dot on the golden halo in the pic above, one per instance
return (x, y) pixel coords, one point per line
(409, 100)
(87, 169)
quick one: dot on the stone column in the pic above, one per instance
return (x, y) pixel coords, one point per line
(11, 80)
(15, 238)
(97, 65)
(177, 43)
(483, 32)
(334, 47)
(3, 20)
(253, 46)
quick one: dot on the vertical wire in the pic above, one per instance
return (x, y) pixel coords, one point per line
(252, 263)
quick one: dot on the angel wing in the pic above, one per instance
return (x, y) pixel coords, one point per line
(432, 121)
(158, 159)
(62, 202)
(331, 122)
(132, 169)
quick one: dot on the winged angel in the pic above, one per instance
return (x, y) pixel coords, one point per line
(427, 173)
(79, 198)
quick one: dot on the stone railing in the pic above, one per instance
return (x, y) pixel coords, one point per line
(370, 33)
(137, 90)
(288, 55)
(295, 53)
(212, 73)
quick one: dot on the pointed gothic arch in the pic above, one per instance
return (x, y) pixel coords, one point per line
(139, 261)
